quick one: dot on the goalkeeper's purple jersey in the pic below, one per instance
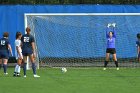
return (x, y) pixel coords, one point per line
(111, 41)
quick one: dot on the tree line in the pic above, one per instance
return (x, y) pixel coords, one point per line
(69, 1)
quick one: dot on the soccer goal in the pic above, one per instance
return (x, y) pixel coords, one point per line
(79, 39)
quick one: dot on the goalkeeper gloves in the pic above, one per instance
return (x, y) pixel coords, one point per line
(109, 25)
(113, 24)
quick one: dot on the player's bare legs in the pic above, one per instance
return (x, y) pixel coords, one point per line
(115, 60)
(107, 56)
(114, 57)
(19, 61)
(106, 60)
(32, 58)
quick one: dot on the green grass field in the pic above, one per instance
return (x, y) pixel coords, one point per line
(90, 80)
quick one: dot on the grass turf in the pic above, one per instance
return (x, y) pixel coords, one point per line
(76, 80)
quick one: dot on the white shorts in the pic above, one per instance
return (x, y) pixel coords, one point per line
(17, 56)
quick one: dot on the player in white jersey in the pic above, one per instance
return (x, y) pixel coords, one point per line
(18, 54)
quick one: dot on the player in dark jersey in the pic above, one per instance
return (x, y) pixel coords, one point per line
(111, 36)
(28, 49)
(4, 51)
(138, 46)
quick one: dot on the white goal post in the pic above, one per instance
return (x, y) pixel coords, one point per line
(70, 14)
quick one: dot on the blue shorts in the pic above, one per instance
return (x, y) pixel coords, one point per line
(4, 55)
(139, 55)
(27, 54)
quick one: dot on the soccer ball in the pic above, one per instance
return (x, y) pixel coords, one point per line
(64, 70)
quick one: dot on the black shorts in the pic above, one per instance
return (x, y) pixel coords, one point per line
(111, 50)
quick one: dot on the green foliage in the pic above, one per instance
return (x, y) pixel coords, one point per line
(69, 1)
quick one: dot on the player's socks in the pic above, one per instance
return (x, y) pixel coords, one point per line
(24, 68)
(116, 63)
(34, 68)
(18, 69)
(0, 66)
(105, 63)
(5, 68)
(15, 74)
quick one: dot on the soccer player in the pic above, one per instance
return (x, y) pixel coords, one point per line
(4, 51)
(28, 49)
(111, 36)
(18, 54)
(138, 46)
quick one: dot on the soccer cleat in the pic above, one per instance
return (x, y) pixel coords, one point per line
(5, 73)
(36, 76)
(117, 68)
(14, 75)
(104, 68)
(18, 75)
(24, 76)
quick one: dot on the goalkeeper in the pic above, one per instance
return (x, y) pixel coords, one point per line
(111, 36)
(138, 46)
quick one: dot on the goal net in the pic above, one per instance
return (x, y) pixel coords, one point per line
(79, 39)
